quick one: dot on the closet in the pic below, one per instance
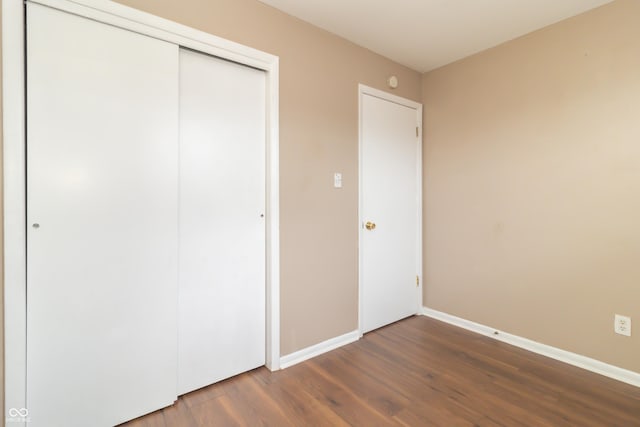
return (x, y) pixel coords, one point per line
(221, 210)
(145, 220)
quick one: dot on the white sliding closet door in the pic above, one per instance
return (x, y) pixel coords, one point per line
(222, 225)
(102, 178)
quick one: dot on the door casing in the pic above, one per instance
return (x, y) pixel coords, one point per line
(362, 91)
(14, 163)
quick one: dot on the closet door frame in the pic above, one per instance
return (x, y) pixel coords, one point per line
(14, 166)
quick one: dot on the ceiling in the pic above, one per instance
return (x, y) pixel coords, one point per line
(426, 34)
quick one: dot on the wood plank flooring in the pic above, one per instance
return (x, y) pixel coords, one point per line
(417, 372)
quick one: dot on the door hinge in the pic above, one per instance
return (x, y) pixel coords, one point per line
(417, 281)
(417, 131)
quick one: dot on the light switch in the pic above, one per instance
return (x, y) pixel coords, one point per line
(337, 180)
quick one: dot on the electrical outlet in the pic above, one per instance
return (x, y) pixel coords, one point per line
(622, 325)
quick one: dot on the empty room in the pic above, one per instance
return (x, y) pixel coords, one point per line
(320, 213)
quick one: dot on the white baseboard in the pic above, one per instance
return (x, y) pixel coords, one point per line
(574, 359)
(318, 349)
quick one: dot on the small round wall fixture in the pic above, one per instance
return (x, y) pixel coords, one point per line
(392, 81)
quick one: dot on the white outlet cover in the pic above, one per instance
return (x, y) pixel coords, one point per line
(622, 325)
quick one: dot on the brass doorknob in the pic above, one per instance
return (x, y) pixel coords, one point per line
(370, 225)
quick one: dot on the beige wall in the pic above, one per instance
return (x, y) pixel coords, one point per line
(319, 76)
(532, 185)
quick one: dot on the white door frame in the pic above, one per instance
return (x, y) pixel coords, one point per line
(366, 90)
(14, 137)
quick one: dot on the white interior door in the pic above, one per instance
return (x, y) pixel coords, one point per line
(102, 190)
(222, 225)
(390, 203)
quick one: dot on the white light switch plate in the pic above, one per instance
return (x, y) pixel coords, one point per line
(337, 180)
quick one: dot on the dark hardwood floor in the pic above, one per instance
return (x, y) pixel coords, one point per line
(417, 372)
